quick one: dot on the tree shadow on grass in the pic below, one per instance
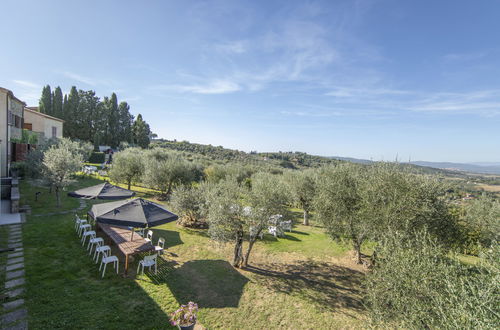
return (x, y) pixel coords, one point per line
(331, 286)
(299, 232)
(210, 283)
(172, 238)
(291, 238)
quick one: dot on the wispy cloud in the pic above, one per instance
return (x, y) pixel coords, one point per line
(80, 78)
(212, 87)
(28, 91)
(312, 114)
(347, 92)
(461, 57)
(26, 83)
(233, 47)
(479, 102)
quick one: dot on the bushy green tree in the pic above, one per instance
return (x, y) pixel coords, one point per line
(267, 197)
(164, 172)
(227, 217)
(302, 186)
(232, 221)
(141, 132)
(60, 162)
(364, 202)
(128, 166)
(339, 205)
(417, 284)
(482, 221)
(190, 203)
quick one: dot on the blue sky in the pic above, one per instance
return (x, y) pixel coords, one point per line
(367, 79)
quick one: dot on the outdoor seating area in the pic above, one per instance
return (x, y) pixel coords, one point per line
(116, 223)
(124, 239)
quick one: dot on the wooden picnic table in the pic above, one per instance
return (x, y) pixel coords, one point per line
(128, 242)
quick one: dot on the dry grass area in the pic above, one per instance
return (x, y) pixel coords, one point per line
(489, 187)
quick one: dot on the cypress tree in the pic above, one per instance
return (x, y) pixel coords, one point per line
(125, 122)
(45, 103)
(71, 113)
(141, 132)
(113, 121)
(57, 103)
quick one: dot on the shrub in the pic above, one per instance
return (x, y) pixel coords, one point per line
(97, 157)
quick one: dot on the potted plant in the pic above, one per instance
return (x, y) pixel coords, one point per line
(185, 316)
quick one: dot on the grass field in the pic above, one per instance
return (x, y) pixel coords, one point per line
(302, 281)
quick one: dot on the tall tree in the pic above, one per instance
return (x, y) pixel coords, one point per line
(141, 132)
(57, 103)
(112, 132)
(45, 103)
(125, 121)
(71, 113)
(88, 119)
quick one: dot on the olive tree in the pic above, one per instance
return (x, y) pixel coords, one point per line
(267, 197)
(166, 171)
(229, 219)
(128, 166)
(190, 202)
(60, 162)
(339, 205)
(417, 284)
(364, 202)
(482, 220)
(302, 187)
(226, 216)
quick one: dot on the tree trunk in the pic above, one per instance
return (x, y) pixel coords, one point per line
(250, 246)
(58, 197)
(238, 257)
(306, 218)
(169, 189)
(357, 250)
(128, 184)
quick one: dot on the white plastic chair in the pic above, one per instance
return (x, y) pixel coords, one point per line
(272, 230)
(161, 245)
(149, 236)
(83, 228)
(148, 261)
(106, 259)
(94, 241)
(101, 250)
(79, 222)
(286, 225)
(87, 233)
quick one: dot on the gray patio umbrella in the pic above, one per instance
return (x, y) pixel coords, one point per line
(103, 191)
(137, 213)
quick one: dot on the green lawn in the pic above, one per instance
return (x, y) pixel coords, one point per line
(302, 281)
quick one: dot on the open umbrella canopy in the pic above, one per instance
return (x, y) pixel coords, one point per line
(103, 191)
(137, 212)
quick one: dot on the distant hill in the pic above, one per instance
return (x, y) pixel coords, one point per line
(483, 168)
(352, 160)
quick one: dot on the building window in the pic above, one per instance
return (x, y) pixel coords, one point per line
(17, 121)
(54, 131)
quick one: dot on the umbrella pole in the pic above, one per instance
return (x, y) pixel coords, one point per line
(132, 236)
